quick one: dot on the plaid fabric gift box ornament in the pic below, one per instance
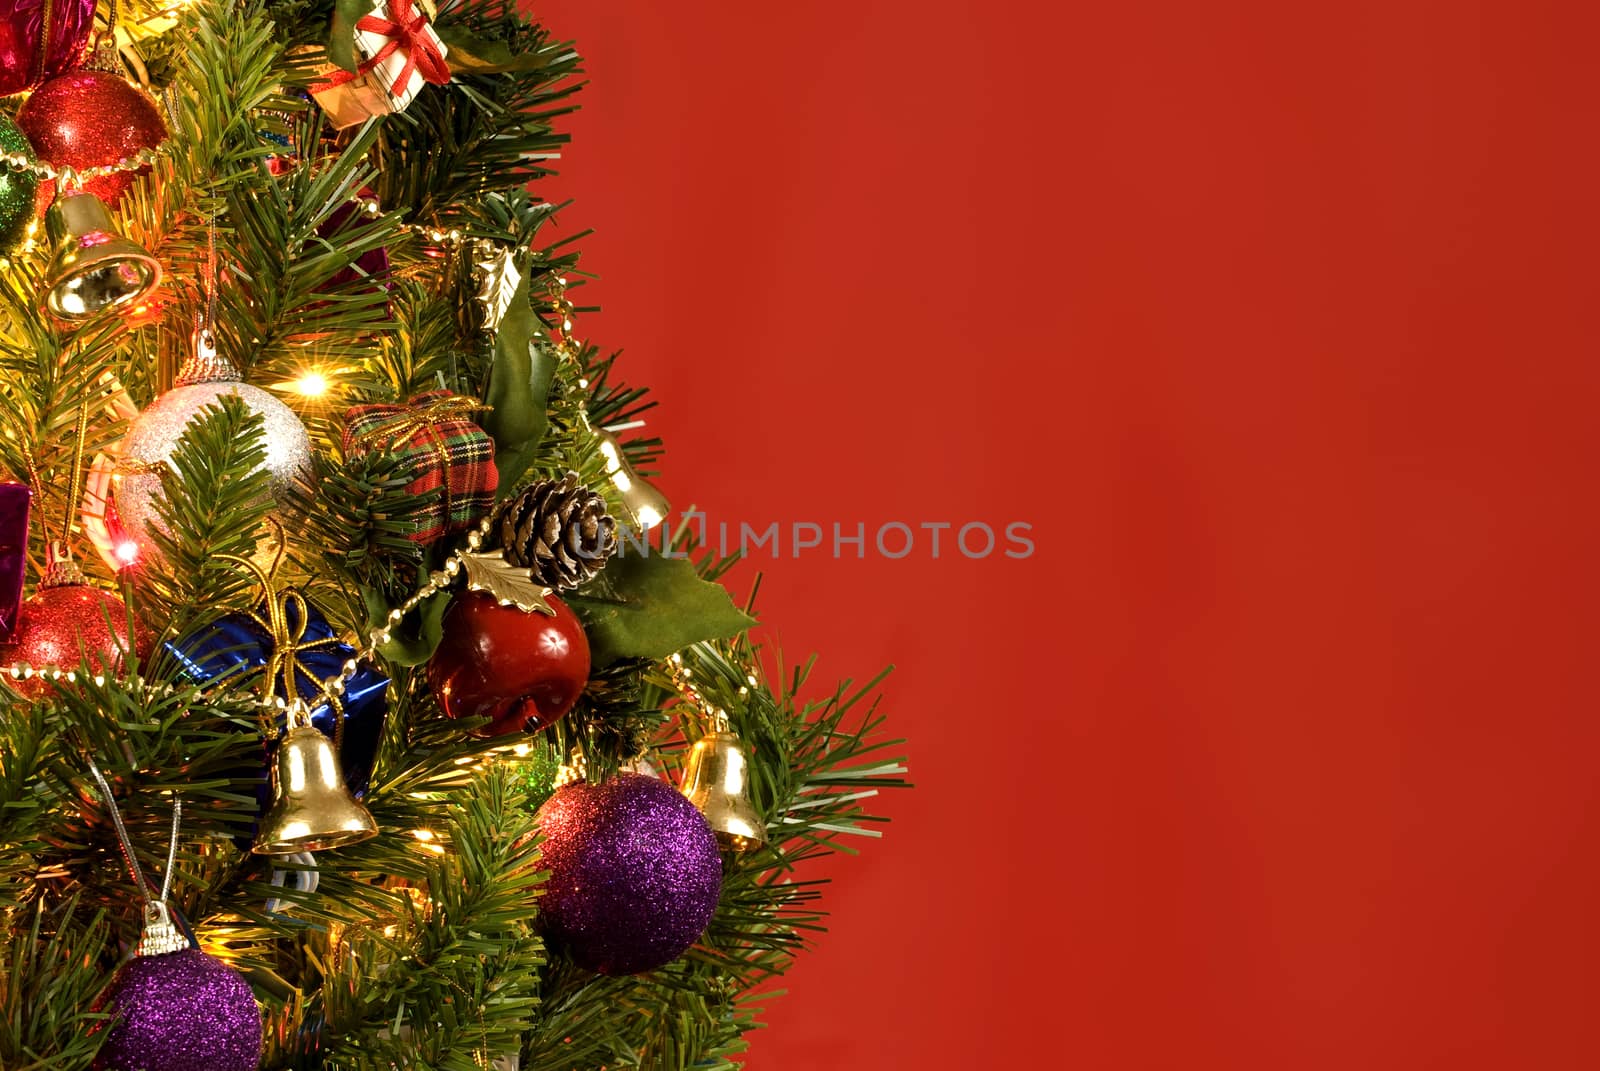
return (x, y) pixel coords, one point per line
(452, 455)
(397, 54)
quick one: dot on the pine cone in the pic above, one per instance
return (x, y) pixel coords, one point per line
(559, 531)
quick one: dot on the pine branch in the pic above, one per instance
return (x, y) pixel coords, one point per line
(418, 948)
(467, 985)
(292, 235)
(610, 724)
(45, 380)
(49, 984)
(361, 517)
(612, 402)
(214, 497)
(227, 77)
(488, 133)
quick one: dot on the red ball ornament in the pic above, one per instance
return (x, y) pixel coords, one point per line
(61, 624)
(521, 670)
(92, 119)
(30, 51)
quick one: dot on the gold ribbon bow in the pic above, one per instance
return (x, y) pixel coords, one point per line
(287, 640)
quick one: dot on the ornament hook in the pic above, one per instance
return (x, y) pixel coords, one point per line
(161, 935)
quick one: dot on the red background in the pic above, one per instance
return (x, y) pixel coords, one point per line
(1277, 322)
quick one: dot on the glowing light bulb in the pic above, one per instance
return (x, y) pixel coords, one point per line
(311, 383)
(127, 552)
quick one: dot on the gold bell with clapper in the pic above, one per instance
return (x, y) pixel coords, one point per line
(93, 267)
(716, 779)
(312, 807)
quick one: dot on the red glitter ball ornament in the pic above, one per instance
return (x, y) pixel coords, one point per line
(92, 119)
(62, 624)
(521, 670)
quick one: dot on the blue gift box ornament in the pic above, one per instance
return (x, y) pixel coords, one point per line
(287, 640)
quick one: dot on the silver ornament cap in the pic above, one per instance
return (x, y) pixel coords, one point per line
(204, 364)
(161, 936)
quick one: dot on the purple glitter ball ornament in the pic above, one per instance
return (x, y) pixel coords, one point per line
(184, 1011)
(634, 873)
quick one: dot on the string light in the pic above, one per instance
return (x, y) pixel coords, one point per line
(644, 505)
(614, 469)
(428, 841)
(152, 24)
(312, 384)
(683, 681)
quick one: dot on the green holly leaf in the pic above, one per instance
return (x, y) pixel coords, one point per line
(649, 606)
(519, 390)
(342, 34)
(414, 639)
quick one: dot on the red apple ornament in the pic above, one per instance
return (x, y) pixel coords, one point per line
(521, 670)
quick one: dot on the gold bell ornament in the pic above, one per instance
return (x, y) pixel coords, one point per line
(717, 781)
(312, 807)
(644, 505)
(93, 267)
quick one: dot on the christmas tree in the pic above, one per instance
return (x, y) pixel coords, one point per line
(361, 709)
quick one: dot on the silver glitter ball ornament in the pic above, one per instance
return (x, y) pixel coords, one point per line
(155, 434)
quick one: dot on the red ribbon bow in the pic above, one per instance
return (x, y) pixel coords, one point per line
(406, 31)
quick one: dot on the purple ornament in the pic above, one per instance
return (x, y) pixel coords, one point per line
(634, 873)
(184, 1011)
(14, 500)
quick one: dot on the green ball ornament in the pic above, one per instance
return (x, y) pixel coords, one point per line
(20, 200)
